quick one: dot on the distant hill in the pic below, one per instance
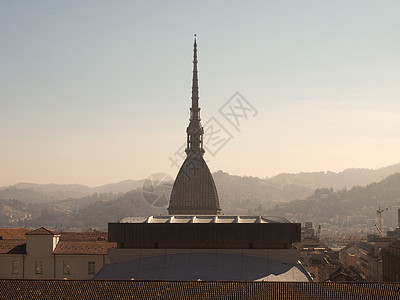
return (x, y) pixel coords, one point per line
(347, 208)
(319, 197)
(51, 187)
(282, 187)
(119, 187)
(240, 195)
(35, 193)
(31, 192)
(94, 211)
(347, 178)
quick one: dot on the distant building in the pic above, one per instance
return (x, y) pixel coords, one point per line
(318, 259)
(347, 256)
(46, 254)
(391, 262)
(365, 257)
(395, 233)
(308, 231)
(344, 275)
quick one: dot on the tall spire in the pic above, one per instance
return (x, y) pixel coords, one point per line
(194, 190)
(195, 130)
(195, 83)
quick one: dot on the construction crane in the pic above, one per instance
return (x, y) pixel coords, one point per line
(379, 213)
(380, 232)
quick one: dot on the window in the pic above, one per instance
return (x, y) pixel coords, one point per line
(66, 265)
(91, 268)
(38, 267)
(15, 266)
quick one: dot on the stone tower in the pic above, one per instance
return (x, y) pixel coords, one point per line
(194, 190)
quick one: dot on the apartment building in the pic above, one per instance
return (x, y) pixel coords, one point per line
(46, 254)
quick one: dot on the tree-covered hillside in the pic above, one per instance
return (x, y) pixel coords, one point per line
(341, 208)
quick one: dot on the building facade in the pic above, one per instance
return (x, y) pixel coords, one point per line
(205, 247)
(366, 258)
(46, 254)
(391, 262)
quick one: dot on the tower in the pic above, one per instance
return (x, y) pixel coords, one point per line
(194, 190)
(194, 232)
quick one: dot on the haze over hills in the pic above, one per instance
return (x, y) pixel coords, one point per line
(282, 187)
(338, 210)
(346, 209)
(78, 207)
(347, 178)
(32, 192)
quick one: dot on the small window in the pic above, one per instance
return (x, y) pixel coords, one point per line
(38, 267)
(66, 266)
(91, 268)
(15, 266)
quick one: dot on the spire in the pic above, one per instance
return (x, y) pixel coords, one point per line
(194, 190)
(195, 130)
(195, 83)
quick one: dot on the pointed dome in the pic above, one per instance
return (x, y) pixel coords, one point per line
(194, 190)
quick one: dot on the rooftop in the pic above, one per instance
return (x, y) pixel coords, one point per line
(83, 243)
(204, 219)
(13, 233)
(204, 266)
(12, 246)
(205, 231)
(42, 231)
(70, 243)
(84, 236)
(136, 289)
(83, 247)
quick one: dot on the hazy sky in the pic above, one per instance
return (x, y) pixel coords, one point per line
(94, 92)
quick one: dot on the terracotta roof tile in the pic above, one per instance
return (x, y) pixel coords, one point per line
(83, 248)
(12, 247)
(42, 231)
(84, 236)
(83, 243)
(13, 233)
(134, 289)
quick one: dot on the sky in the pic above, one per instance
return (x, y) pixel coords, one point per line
(95, 92)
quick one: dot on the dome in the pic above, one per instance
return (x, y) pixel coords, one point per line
(194, 190)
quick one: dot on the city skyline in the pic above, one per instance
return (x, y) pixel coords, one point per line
(95, 92)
